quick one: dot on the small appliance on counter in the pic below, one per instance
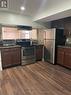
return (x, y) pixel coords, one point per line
(68, 41)
(9, 42)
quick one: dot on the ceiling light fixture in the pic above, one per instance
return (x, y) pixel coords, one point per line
(22, 8)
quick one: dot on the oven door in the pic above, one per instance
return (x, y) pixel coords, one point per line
(28, 55)
(27, 52)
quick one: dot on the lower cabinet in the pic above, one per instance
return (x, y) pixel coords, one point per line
(60, 56)
(64, 57)
(11, 57)
(67, 58)
(39, 52)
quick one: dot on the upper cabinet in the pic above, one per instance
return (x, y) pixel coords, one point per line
(67, 29)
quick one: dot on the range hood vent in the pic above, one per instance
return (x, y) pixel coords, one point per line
(21, 27)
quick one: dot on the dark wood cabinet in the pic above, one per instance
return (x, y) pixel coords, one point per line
(67, 58)
(67, 29)
(11, 56)
(64, 56)
(60, 56)
(39, 52)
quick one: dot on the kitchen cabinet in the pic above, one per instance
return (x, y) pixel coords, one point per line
(64, 56)
(67, 32)
(67, 58)
(67, 29)
(60, 56)
(11, 56)
(39, 52)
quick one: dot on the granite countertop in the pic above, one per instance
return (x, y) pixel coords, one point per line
(38, 45)
(64, 46)
(12, 46)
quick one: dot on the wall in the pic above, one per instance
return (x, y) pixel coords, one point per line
(16, 19)
(33, 34)
(40, 36)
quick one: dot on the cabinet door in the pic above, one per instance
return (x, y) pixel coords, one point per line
(67, 29)
(6, 59)
(39, 52)
(16, 57)
(11, 57)
(67, 60)
(60, 56)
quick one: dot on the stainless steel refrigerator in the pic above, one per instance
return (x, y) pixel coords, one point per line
(52, 38)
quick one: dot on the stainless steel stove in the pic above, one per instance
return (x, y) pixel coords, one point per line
(28, 55)
(27, 51)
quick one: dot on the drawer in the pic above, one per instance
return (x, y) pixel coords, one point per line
(68, 50)
(28, 57)
(28, 61)
(61, 49)
(10, 49)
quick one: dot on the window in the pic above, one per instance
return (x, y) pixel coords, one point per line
(9, 33)
(25, 34)
(14, 33)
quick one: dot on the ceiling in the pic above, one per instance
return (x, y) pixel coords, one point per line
(31, 6)
(38, 8)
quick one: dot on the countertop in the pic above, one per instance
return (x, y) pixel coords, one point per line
(38, 45)
(9, 46)
(14, 46)
(64, 46)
